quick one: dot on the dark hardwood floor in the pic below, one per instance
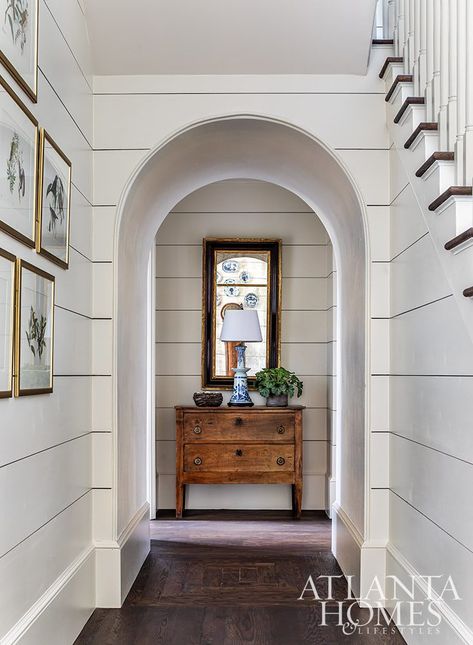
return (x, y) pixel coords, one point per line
(231, 578)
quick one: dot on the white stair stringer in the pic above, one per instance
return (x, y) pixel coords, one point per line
(450, 219)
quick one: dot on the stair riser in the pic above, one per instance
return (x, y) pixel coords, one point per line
(394, 69)
(453, 217)
(411, 118)
(425, 144)
(401, 93)
(436, 180)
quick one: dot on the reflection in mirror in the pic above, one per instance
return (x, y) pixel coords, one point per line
(240, 274)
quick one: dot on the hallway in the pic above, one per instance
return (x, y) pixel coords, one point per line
(231, 578)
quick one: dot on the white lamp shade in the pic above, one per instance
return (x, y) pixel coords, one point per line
(241, 325)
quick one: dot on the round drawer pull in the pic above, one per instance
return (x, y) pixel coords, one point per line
(238, 421)
(239, 453)
(281, 429)
(198, 461)
(280, 461)
(197, 430)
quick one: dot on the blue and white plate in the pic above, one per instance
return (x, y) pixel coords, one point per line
(245, 277)
(232, 291)
(251, 300)
(230, 266)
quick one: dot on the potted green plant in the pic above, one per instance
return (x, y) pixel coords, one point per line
(277, 385)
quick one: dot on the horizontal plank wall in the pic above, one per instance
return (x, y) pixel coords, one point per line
(133, 114)
(239, 209)
(429, 440)
(46, 478)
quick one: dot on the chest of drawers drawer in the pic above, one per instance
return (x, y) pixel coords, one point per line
(203, 427)
(238, 456)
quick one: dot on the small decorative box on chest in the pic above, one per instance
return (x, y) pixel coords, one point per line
(258, 445)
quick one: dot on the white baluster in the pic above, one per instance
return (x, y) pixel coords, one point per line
(468, 146)
(444, 73)
(400, 27)
(461, 90)
(452, 75)
(429, 25)
(405, 50)
(417, 31)
(422, 47)
(385, 18)
(411, 36)
(436, 60)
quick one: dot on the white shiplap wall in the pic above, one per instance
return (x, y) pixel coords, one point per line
(242, 209)
(134, 114)
(430, 440)
(46, 471)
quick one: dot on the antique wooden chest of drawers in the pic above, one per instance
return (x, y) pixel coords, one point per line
(227, 445)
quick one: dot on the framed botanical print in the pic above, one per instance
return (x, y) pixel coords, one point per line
(7, 308)
(19, 42)
(54, 202)
(34, 330)
(18, 167)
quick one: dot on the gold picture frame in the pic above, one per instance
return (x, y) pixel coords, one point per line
(53, 212)
(7, 322)
(19, 43)
(19, 142)
(35, 295)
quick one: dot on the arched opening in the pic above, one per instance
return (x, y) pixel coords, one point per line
(241, 147)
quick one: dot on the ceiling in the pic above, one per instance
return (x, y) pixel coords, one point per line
(230, 36)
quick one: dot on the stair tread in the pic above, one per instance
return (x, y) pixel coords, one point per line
(383, 41)
(459, 239)
(411, 100)
(400, 78)
(436, 156)
(422, 127)
(389, 59)
(459, 191)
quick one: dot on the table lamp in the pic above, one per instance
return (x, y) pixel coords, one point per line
(241, 325)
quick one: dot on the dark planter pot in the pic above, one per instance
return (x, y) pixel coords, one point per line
(274, 401)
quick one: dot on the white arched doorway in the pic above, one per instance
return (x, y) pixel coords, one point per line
(241, 147)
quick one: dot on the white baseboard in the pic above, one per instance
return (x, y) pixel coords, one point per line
(118, 562)
(453, 630)
(60, 613)
(347, 543)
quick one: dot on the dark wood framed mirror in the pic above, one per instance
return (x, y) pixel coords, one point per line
(240, 273)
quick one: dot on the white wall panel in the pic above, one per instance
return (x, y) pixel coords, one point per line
(70, 19)
(37, 423)
(63, 72)
(420, 344)
(102, 403)
(34, 565)
(370, 169)
(417, 277)
(293, 228)
(407, 223)
(421, 542)
(103, 226)
(134, 124)
(72, 343)
(45, 483)
(431, 410)
(46, 447)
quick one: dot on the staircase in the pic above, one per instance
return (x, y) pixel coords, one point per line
(428, 75)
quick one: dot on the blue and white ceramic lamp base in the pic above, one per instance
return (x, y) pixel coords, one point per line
(240, 396)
